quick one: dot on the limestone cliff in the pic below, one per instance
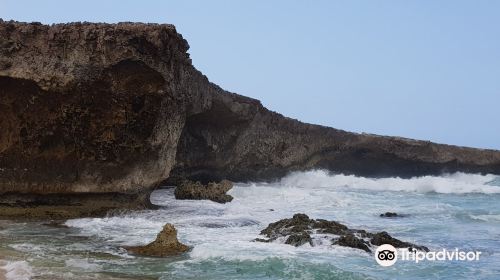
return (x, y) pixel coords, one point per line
(92, 113)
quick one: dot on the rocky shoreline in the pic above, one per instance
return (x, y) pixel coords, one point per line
(95, 116)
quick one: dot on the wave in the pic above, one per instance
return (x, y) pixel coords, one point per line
(458, 183)
(486, 218)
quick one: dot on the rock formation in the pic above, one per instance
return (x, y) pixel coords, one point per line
(94, 116)
(165, 244)
(297, 231)
(212, 191)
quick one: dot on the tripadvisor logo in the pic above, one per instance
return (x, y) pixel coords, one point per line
(387, 255)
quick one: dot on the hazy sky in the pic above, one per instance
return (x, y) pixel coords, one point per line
(421, 69)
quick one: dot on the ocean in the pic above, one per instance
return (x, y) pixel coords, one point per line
(454, 211)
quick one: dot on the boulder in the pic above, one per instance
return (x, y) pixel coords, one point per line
(212, 191)
(165, 244)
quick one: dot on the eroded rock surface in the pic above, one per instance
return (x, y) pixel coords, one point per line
(90, 109)
(212, 191)
(300, 230)
(165, 244)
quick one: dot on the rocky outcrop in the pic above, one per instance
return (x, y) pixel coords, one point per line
(165, 244)
(300, 230)
(111, 110)
(212, 191)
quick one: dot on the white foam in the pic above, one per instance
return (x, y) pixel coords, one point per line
(83, 264)
(487, 218)
(139, 229)
(17, 270)
(449, 183)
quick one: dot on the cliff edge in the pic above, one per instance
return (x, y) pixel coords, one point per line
(93, 116)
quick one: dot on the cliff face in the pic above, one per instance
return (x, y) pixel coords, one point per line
(99, 112)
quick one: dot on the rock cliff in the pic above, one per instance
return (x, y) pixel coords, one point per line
(92, 113)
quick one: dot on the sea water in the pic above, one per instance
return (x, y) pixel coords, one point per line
(446, 212)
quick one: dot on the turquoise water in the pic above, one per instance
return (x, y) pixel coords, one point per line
(453, 211)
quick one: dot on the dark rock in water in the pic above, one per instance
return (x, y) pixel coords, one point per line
(165, 244)
(384, 238)
(391, 215)
(105, 111)
(295, 228)
(349, 240)
(262, 240)
(332, 227)
(212, 191)
(300, 227)
(299, 239)
(298, 223)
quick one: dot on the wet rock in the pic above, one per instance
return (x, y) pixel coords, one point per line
(262, 240)
(297, 224)
(352, 241)
(384, 238)
(300, 229)
(165, 244)
(212, 191)
(331, 227)
(392, 215)
(299, 239)
(389, 214)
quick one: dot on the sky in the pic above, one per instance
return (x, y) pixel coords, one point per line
(421, 69)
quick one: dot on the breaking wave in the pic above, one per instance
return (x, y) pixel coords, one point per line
(458, 183)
